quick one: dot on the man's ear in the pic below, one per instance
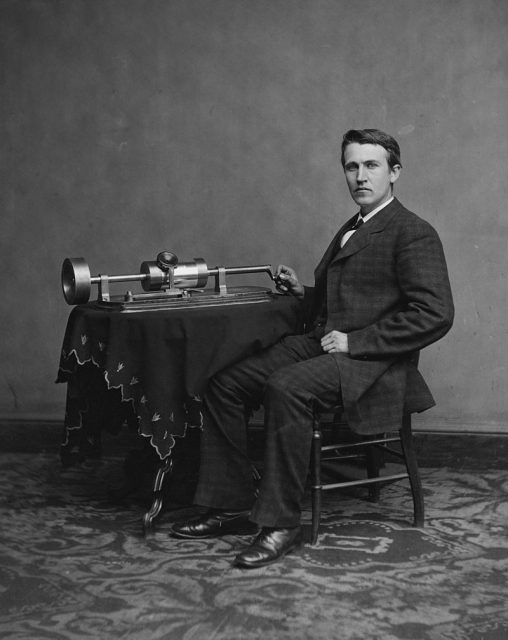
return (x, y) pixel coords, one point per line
(395, 173)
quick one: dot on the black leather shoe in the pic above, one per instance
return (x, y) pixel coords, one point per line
(215, 523)
(270, 545)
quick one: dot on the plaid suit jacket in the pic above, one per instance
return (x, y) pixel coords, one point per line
(388, 289)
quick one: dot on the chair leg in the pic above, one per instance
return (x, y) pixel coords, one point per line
(406, 440)
(316, 484)
(373, 460)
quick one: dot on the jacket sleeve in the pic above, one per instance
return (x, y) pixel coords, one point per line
(425, 313)
(308, 307)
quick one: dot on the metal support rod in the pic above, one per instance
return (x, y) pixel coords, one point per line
(122, 278)
(220, 281)
(240, 270)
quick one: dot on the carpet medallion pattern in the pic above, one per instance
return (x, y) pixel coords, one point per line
(75, 565)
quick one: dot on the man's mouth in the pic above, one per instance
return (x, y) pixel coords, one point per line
(362, 190)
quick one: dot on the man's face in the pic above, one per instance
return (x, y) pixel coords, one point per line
(368, 175)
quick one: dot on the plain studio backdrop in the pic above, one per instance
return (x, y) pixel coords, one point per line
(211, 128)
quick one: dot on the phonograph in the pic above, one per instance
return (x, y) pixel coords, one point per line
(166, 283)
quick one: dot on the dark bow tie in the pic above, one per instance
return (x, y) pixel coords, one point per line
(357, 224)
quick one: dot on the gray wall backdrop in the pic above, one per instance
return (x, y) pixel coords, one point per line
(211, 128)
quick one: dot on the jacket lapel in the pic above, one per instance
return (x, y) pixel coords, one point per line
(332, 250)
(361, 237)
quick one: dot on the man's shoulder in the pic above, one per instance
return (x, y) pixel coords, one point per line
(407, 219)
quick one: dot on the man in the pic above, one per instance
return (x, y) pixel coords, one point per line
(381, 293)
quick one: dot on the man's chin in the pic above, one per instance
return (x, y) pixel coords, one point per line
(363, 199)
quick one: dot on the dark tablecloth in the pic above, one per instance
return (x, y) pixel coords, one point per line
(158, 363)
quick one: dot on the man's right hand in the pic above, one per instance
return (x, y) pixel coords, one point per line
(286, 281)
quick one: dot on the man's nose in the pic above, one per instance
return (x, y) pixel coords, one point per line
(360, 176)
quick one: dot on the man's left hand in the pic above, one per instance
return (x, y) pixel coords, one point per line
(335, 342)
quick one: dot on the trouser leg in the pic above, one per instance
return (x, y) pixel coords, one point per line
(225, 473)
(225, 479)
(291, 396)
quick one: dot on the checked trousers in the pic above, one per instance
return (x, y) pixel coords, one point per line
(290, 379)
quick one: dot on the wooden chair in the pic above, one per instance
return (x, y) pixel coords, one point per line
(375, 448)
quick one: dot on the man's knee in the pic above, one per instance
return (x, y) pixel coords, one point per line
(234, 383)
(281, 384)
(219, 383)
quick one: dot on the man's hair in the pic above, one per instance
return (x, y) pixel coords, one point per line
(373, 136)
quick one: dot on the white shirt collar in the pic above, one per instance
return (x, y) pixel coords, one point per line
(371, 214)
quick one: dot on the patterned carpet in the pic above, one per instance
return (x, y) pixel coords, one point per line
(75, 565)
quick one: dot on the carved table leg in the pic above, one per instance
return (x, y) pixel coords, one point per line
(164, 467)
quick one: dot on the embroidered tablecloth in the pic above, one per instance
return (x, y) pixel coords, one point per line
(152, 367)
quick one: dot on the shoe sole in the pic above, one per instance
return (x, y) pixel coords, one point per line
(247, 565)
(246, 531)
